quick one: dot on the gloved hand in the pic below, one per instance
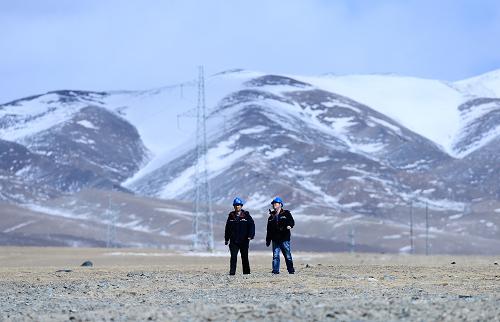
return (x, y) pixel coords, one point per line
(268, 243)
(270, 211)
(226, 242)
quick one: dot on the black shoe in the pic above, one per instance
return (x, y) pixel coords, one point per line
(275, 272)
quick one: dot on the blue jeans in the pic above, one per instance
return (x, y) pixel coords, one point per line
(284, 247)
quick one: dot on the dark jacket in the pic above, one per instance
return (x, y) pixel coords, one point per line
(239, 228)
(276, 229)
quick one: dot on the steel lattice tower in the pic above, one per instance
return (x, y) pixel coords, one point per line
(203, 237)
(112, 218)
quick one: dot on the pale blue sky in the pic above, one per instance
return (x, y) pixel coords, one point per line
(101, 45)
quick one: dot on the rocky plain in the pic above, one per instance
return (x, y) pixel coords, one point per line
(49, 284)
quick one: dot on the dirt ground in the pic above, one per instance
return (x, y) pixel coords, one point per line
(48, 284)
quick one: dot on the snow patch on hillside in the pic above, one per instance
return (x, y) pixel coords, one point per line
(427, 107)
(219, 158)
(485, 85)
(87, 124)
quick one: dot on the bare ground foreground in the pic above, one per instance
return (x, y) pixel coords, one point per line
(45, 284)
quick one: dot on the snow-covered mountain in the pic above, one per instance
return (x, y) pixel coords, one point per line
(330, 145)
(67, 143)
(426, 106)
(310, 145)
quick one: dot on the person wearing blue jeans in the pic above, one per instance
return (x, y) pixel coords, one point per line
(279, 224)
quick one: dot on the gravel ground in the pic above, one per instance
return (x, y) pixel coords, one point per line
(152, 285)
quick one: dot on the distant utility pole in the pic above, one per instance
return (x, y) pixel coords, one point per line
(111, 218)
(467, 209)
(352, 240)
(203, 236)
(412, 250)
(426, 228)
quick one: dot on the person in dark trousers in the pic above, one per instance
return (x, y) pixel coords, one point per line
(240, 229)
(279, 224)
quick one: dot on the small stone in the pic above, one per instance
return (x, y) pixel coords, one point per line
(87, 264)
(453, 263)
(495, 263)
(64, 271)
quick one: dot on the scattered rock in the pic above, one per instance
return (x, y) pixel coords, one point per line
(464, 296)
(453, 263)
(495, 263)
(64, 271)
(87, 264)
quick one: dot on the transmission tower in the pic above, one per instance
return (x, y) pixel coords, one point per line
(352, 238)
(203, 237)
(111, 218)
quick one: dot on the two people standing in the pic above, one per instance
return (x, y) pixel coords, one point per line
(240, 229)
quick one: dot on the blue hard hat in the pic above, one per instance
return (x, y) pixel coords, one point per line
(277, 200)
(238, 201)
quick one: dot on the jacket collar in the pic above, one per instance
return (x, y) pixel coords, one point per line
(243, 213)
(281, 211)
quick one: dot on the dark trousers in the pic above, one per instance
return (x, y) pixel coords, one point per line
(243, 249)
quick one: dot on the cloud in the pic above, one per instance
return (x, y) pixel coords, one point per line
(140, 44)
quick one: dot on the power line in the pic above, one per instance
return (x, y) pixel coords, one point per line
(192, 113)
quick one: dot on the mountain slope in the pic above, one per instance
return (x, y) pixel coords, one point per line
(95, 141)
(43, 122)
(88, 147)
(481, 124)
(426, 106)
(311, 146)
(341, 153)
